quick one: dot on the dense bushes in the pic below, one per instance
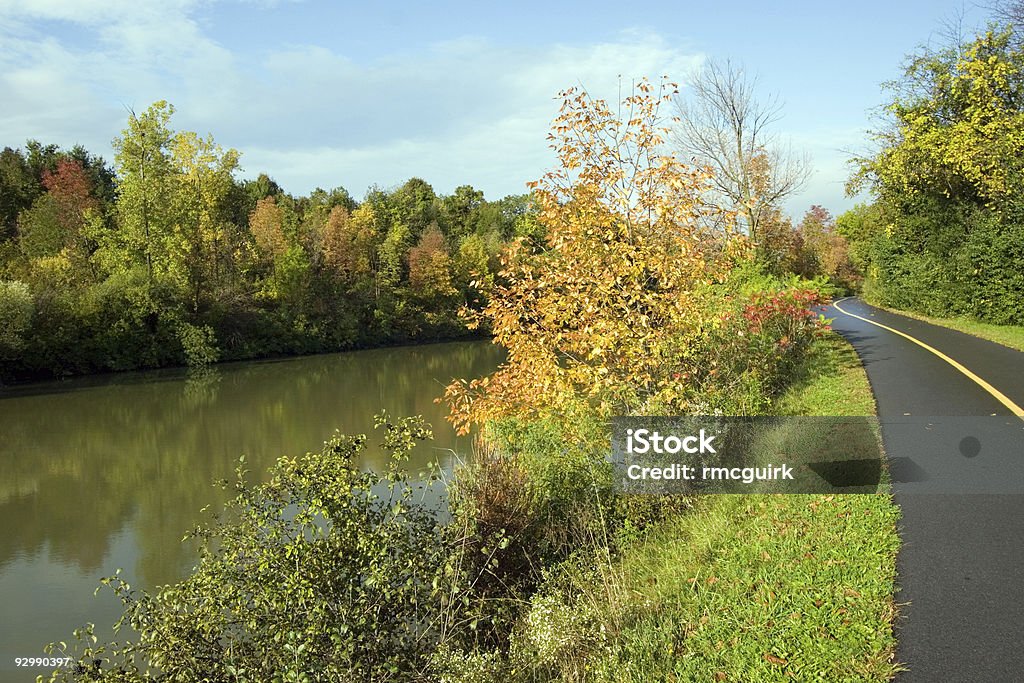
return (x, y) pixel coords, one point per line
(752, 353)
(325, 572)
(972, 268)
(16, 308)
(944, 235)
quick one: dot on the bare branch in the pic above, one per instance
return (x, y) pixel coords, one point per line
(724, 126)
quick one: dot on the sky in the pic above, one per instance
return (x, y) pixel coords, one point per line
(328, 94)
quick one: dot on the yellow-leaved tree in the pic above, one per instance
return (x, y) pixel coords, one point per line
(601, 313)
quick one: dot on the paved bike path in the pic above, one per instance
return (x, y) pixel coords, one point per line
(961, 565)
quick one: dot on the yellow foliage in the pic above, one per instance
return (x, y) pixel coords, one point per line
(959, 136)
(600, 312)
(266, 223)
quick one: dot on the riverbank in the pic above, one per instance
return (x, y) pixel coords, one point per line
(539, 576)
(45, 382)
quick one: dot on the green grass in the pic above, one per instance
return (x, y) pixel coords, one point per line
(1007, 335)
(833, 382)
(759, 587)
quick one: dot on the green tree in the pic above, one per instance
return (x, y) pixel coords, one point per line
(16, 308)
(949, 177)
(18, 189)
(204, 174)
(860, 226)
(145, 191)
(414, 204)
(40, 232)
(956, 127)
(460, 210)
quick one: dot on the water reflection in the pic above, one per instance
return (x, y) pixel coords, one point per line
(117, 470)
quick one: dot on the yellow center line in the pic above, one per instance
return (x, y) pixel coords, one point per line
(998, 395)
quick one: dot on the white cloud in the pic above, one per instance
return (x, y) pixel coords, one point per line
(110, 56)
(458, 111)
(463, 111)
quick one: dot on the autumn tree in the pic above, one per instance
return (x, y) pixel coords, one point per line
(722, 125)
(360, 258)
(822, 251)
(56, 220)
(780, 244)
(430, 273)
(72, 189)
(334, 240)
(266, 224)
(283, 264)
(603, 310)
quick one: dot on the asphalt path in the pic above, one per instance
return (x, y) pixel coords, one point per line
(956, 454)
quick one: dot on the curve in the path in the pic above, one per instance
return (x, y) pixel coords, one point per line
(961, 565)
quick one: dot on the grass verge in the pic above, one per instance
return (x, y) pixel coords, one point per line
(761, 587)
(831, 382)
(1007, 335)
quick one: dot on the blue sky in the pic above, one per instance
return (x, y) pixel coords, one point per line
(356, 94)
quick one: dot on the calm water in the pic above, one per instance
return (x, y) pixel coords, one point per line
(107, 474)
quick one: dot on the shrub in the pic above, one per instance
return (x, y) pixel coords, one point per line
(753, 350)
(199, 345)
(458, 666)
(325, 572)
(553, 631)
(16, 308)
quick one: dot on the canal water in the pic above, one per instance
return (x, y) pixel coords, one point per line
(111, 472)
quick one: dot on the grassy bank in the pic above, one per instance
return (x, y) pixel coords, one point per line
(759, 588)
(1007, 335)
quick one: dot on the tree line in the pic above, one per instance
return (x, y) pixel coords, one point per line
(167, 257)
